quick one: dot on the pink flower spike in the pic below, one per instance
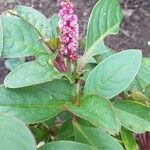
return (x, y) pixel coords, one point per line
(69, 31)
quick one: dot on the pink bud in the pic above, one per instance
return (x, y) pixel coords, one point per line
(64, 39)
(63, 50)
(69, 31)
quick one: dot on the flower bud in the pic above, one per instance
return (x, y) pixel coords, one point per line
(69, 31)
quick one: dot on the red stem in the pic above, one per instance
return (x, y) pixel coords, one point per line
(144, 141)
(59, 63)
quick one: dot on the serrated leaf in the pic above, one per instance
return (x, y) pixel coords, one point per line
(133, 116)
(54, 20)
(15, 135)
(114, 74)
(20, 40)
(98, 111)
(66, 145)
(29, 73)
(128, 140)
(36, 103)
(96, 138)
(105, 19)
(36, 19)
(1, 36)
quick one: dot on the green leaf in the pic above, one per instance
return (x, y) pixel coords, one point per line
(66, 132)
(107, 54)
(98, 111)
(36, 19)
(82, 43)
(39, 134)
(133, 116)
(147, 92)
(43, 59)
(15, 135)
(128, 140)
(36, 103)
(64, 116)
(30, 73)
(54, 25)
(114, 74)
(139, 97)
(1, 36)
(105, 19)
(144, 71)
(137, 84)
(13, 63)
(88, 68)
(83, 122)
(54, 43)
(103, 55)
(20, 40)
(49, 123)
(61, 89)
(100, 48)
(96, 138)
(142, 79)
(66, 145)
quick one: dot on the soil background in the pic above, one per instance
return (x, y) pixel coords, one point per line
(134, 32)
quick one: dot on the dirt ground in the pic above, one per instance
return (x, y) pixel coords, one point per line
(134, 32)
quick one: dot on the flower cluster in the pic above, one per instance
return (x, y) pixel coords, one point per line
(69, 31)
